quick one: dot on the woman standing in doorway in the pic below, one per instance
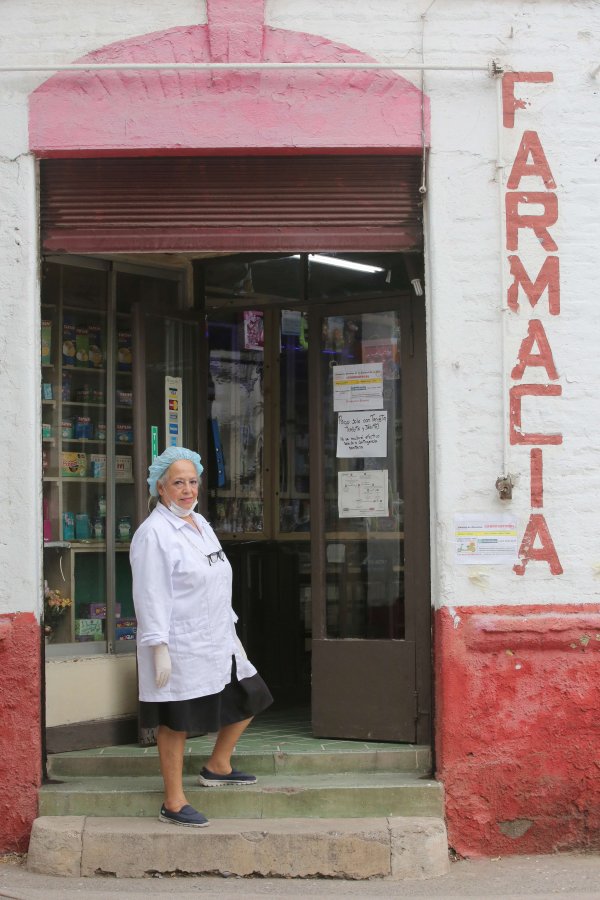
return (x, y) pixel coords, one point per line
(194, 675)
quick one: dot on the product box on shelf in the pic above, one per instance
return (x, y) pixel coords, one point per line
(66, 427)
(96, 357)
(124, 433)
(123, 468)
(125, 634)
(47, 392)
(82, 527)
(82, 346)
(98, 465)
(124, 355)
(68, 526)
(73, 465)
(46, 431)
(84, 428)
(89, 629)
(69, 342)
(46, 342)
(125, 398)
(66, 387)
(98, 610)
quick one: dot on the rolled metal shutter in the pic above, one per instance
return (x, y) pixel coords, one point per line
(277, 203)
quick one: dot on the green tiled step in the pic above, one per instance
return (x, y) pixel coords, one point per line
(328, 758)
(284, 796)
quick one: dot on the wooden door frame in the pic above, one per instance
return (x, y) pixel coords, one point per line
(415, 478)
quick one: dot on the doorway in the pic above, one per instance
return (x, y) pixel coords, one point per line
(317, 484)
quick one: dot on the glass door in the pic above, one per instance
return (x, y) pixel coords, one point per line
(366, 385)
(315, 378)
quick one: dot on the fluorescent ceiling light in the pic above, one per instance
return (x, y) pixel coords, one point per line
(341, 263)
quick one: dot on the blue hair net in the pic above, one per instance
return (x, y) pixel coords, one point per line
(167, 458)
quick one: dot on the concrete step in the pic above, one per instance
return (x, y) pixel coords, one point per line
(281, 796)
(360, 848)
(132, 761)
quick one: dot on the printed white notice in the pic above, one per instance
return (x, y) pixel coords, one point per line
(363, 494)
(485, 540)
(362, 434)
(358, 387)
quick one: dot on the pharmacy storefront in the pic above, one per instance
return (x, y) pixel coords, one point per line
(300, 375)
(365, 292)
(268, 309)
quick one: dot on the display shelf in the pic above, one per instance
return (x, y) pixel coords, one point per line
(78, 479)
(84, 403)
(82, 441)
(48, 402)
(84, 369)
(73, 307)
(364, 536)
(87, 545)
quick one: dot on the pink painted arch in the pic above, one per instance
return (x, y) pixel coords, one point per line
(187, 113)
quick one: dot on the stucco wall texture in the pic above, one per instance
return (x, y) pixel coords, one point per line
(506, 790)
(20, 758)
(518, 745)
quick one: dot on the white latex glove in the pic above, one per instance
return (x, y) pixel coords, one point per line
(162, 665)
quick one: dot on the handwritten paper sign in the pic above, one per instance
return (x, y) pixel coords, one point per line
(362, 434)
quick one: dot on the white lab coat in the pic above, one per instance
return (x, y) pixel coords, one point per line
(183, 601)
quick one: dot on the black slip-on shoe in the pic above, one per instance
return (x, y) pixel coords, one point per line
(187, 815)
(210, 779)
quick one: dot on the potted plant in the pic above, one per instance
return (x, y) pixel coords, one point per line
(55, 606)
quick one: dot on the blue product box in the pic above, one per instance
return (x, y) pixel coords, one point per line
(82, 527)
(68, 526)
(84, 428)
(124, 433)
(125, 634)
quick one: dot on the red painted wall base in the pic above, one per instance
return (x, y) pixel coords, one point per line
(20, 729)
(518, 727)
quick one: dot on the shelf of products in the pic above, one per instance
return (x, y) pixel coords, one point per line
(78, 417)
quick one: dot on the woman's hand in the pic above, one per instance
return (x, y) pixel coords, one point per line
(162, 665)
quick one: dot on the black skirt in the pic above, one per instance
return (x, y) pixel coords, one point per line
(237, 701)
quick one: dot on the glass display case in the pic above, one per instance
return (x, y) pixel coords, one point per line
(89, 496)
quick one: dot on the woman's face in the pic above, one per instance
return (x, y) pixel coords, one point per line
(180, 484)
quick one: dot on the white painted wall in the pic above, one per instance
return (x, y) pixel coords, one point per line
(464, 258)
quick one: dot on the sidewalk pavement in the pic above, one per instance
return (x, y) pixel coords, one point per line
(572, 875)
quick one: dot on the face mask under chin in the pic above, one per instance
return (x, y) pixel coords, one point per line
(179, 510)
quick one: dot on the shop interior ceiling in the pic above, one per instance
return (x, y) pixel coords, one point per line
(279, 275)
